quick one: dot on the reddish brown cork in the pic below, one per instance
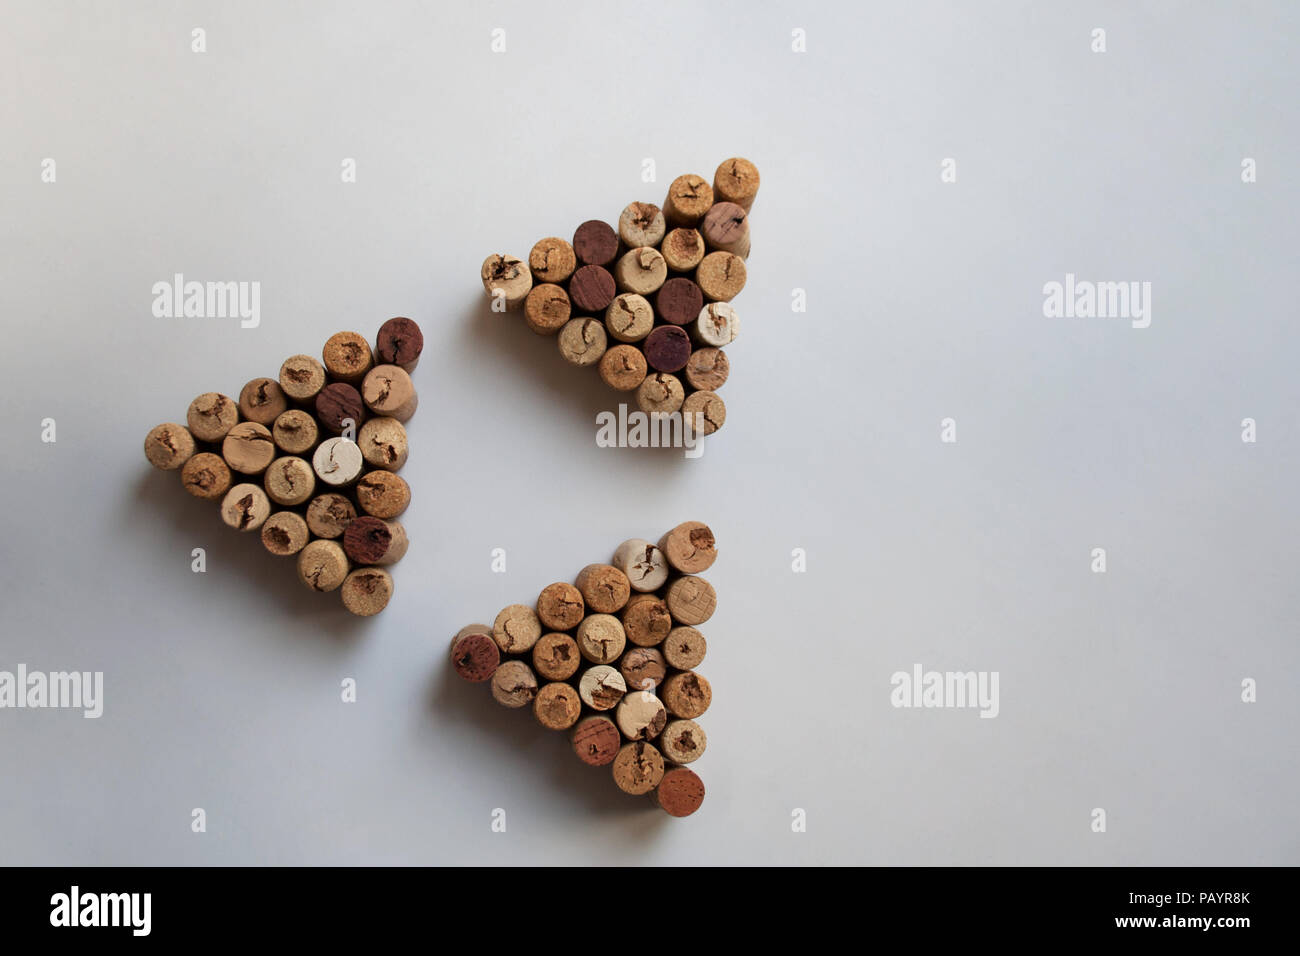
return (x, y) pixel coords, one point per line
(680, 792)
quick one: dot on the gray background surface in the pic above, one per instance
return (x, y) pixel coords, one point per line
(1119, 691)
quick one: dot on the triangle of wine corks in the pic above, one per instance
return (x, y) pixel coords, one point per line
(309, 461)
(611, 660)
(648, 303)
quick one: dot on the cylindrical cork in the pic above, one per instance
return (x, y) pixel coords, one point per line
(704, 412)
(347, 356)
(556, 656)
(640, 715)
(552, 260)
(582, 341)
(623, 368)
(641, 271)
(641, 224)
(289, 481)
(560, 607)
(329, 515)
(680, 792)
(690, 547)
(383, 494)
(689, 198)
(679, 301)
(367, 591)
(683, 249)
(725, 228)
(595, 243)
(322, 565)
(707, 369)
(592, 289)
(169, 446)
(596, 740)
(248, 448)
(399, 342)
(601, 687)
(601, 638)
(547, 308)
(683, 741)
(646, 620)
(643, 668)
(206, 476)
(667, 348)
(370, 540)
(301, 377)
(339, 404)
(557, 706)
(211, 415)
(605, 588)
(285, 533)
(660, 392)
(474, 655)
(516, 629)
(383, 443)
(388, 390)
(337, 462)
(643, 563)
(716, 324)
(262, 400)
(629, 318)
(295, 432)
(514, 684)
(686, 695)
(245, 507)
(506, 278)
(721, 276)
(691, 600)
(736, 180)
(638, 768)
(684, 648)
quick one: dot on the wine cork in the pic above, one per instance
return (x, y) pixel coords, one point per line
(556, 656)
(285, 533)
(596, 740)
(683, 741)
(683, 249)
(399, 342)
(557, 706)
(629, 318)
(605, 588)
(583, 341)
(474, 655)
(206, 476)
(383, 443)
(691, 600)
(690, 547)
(383, 494)
(689, 198)
(507, 278)
(595, 243)
(721, 276)
(679, 301)
(262, 400)
(245, 507)
(347, 356)
(640, 715)
(388, 390)
(704, 411)
(514, 684)
(638, 768)
(248, 448)
(322, 565)
(686, 695)
(289, 481)
(547, 308)
(337, 462)
(601, 638)
(667, 348)
(646, 620)
(370, 540)
(684, 648)
(660, 392)
(169, 446)
(552, 260)
(707, 369)
(516, 629)
(367, 591)
(210, 416)
(680, 793)
(601, 687)
(642, 271)
(643, 668)
(736, 180)
(329, 515)
(716, 324)
(725, 228)
(641, 224)
(623, 367)
(643, 563)
(560, 607)
(295, 432)
(592, 289)
(339, 404)
(301, 377)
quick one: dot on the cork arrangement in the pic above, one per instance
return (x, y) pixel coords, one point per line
(648, 304)
(309, 460)
(611, 660)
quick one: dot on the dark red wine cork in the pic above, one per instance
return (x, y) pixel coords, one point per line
(337, 403)
(206, 476)
(557, 706)
(592, 289)
(211, 415)
(399, 342)
(596, 740)
(689, 198)
(329, 515)
(595, 243)
(383, 494)
(371, 540)
(646, 620)
(547, 308)
(680, 792)
(679, 301)
(686, 695)
(643, 668)
(474, 655)
(560, 606)
(638, 768)
(301, 377)
(169, 446)
(623, 367)
(736, 180)
(683, 249)
(667, 348)
(347, 356)
(605, 589)
(552, 260)
(707, 369)
(690, 547)
(556, 656)
(262, 400)
(726, 228)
